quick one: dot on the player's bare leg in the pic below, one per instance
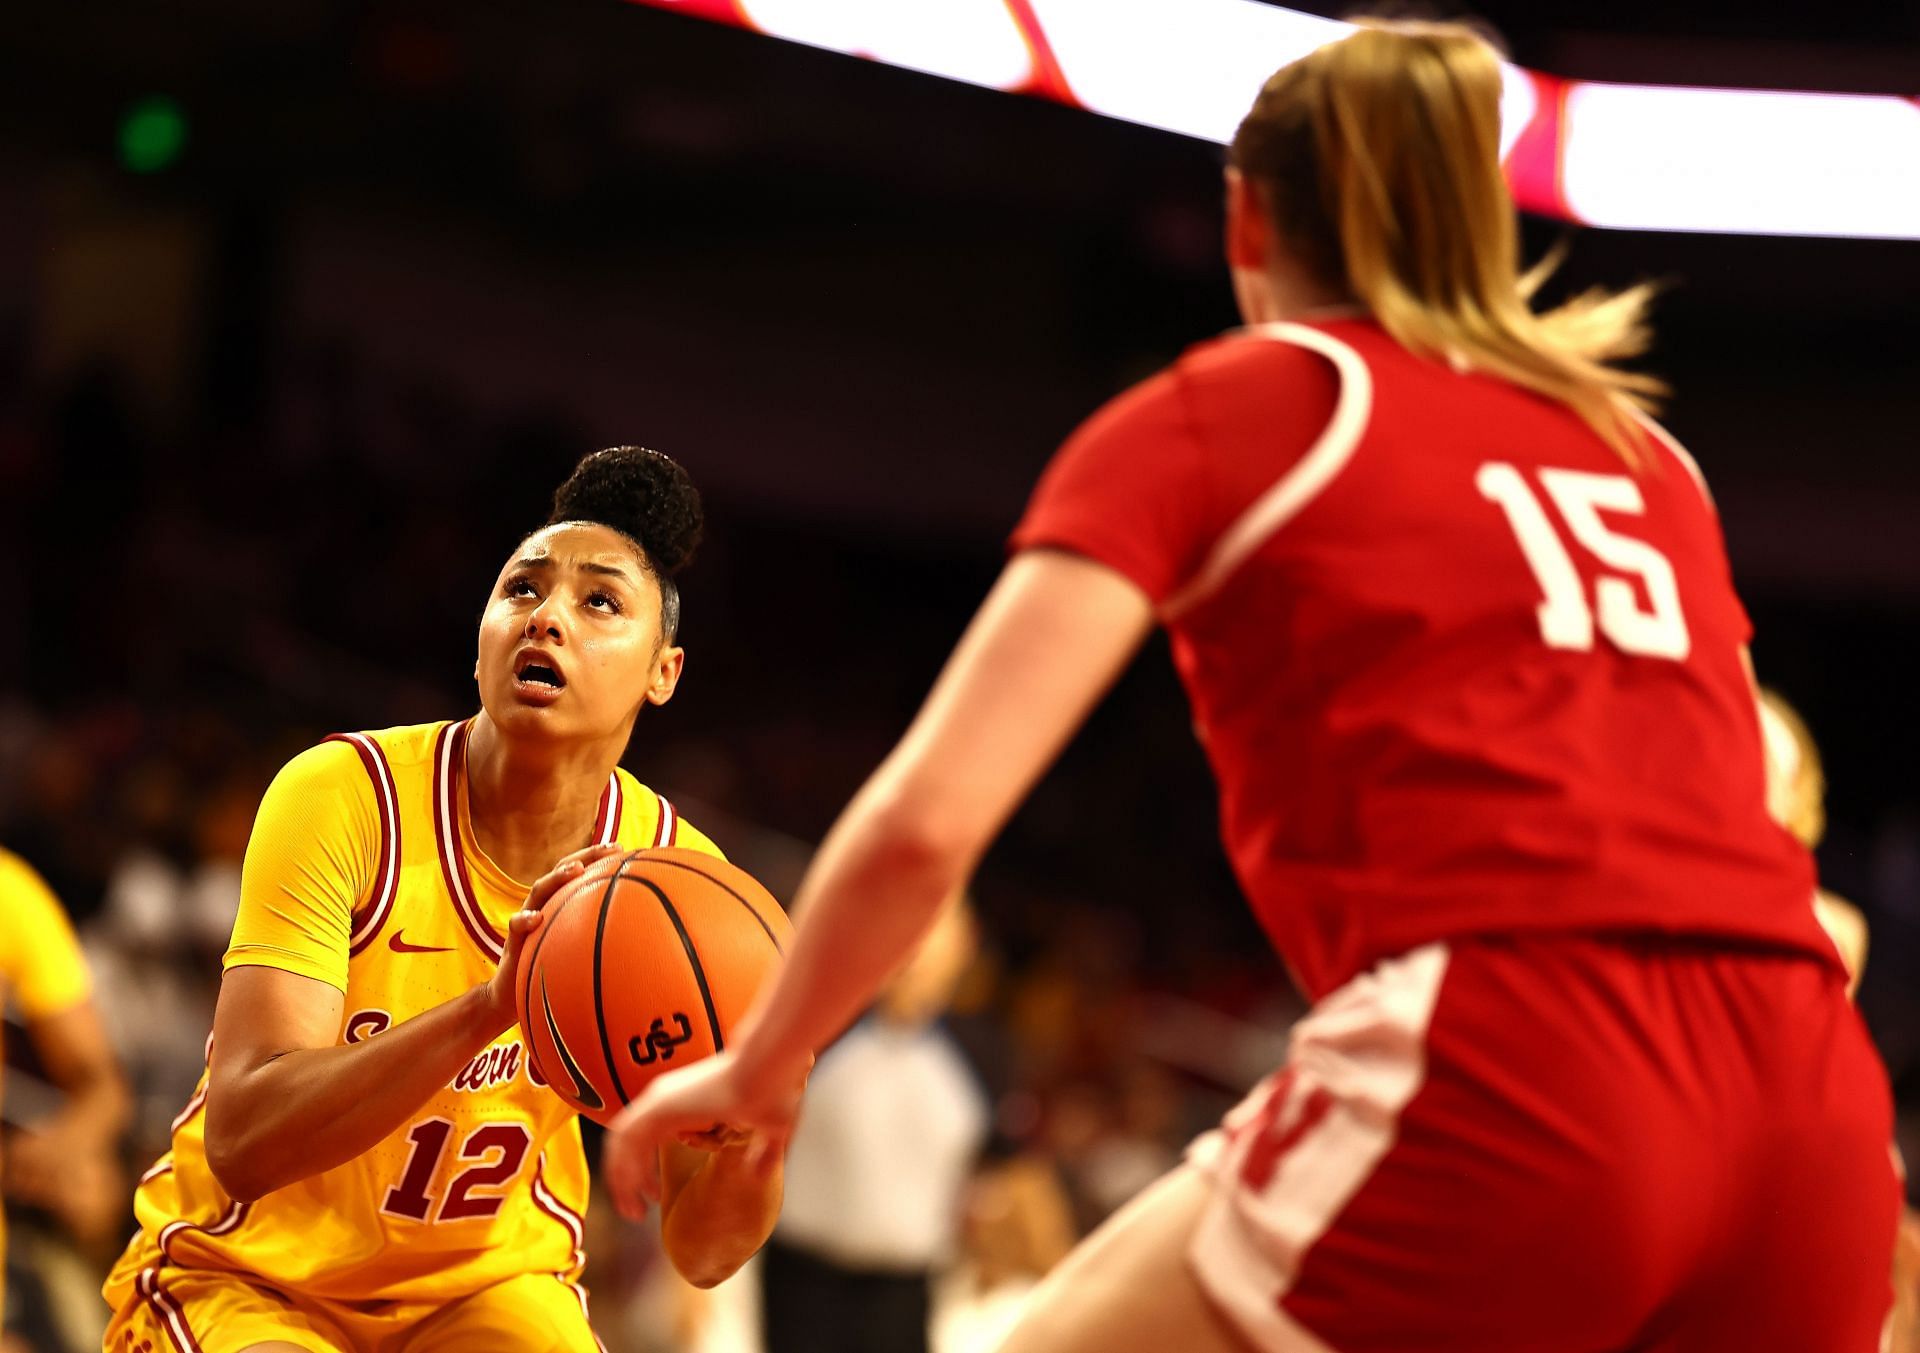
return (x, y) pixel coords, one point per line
(1127, 1286)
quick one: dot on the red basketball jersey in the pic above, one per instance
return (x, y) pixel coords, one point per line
(1458, 667)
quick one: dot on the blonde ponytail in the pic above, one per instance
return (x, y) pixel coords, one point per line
(1380, 157)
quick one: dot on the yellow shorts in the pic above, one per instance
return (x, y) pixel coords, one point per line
(185, 1310)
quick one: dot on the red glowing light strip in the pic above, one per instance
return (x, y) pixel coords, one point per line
(1643, 157)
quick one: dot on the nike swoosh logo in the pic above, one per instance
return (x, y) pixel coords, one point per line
(583, 1092)
(400, 946)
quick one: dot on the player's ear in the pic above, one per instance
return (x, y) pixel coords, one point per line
(1248, 229)
(666, 674)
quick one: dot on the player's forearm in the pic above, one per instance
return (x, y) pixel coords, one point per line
(96, 1110)
(302, 1112)
(73, 1047)
(721, 1217)
(875, 887)
(1047, 643)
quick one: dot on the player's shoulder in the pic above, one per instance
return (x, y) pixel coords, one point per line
(1262, 352)
(21, 885)
(1273, 362)
(692, 838)
(401, 747)
(1219, 378)
(350, 759)
(1273, 384)
(13, 869)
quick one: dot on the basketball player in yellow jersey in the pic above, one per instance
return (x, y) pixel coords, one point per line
(369, 1162)
(64, 1163)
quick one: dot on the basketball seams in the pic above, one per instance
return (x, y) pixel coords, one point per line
(723, 887)
(693, 958)
(599, 972)
(528, 963)
(634, 867)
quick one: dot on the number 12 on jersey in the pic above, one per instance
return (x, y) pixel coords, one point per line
(1567, 620)
(414, 1198)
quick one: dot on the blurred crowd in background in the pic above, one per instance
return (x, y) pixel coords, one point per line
(181, 636)
(305, 310)
(186, 652)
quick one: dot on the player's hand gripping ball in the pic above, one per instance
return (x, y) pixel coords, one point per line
(644, 963)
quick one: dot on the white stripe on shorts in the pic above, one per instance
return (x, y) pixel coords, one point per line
(1293, 1154)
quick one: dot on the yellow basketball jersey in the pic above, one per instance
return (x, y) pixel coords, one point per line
(487, 1180)
(42, 971)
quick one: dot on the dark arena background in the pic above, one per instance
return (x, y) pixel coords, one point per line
(306, 307)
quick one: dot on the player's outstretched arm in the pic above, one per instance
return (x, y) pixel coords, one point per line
(717, 1207)
(1047, 643)
(286, 1099)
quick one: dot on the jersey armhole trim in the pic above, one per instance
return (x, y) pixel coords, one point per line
(1303, 482)
(386, 884)
(1680, 453)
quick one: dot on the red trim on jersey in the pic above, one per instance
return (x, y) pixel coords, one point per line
(606, 826)
(576, 1228)
(449, 768)
(231, 1220)
(164, 1165)
(1303, 481)
(193, 1107)
(173, 1317)
(386, 883)
(666, 830)
(449, 779)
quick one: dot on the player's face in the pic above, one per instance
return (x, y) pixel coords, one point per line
(570, 643)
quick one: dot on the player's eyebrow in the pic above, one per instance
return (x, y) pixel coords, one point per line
(545, 561)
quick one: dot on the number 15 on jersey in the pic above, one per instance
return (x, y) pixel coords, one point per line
(1567, 619)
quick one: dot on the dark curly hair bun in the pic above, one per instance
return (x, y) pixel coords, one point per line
(640, 493)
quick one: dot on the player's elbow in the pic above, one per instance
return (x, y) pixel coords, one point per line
(233, 1171)
(705, 1274)
(234, 1168)
(920, 833)
(711, 1263)
(239, 1160)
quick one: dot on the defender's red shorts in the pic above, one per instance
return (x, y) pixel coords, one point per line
(1562, 1144)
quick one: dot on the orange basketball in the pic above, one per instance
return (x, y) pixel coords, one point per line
(645, 963)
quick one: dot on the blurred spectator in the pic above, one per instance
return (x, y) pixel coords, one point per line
(156, 946)
(1017, 1226)
(1796, 799)
(61, 1151)
(895, 1120)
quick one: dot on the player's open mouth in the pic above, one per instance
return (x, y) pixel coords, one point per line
(535, 677)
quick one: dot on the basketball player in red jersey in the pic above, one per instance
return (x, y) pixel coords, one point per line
(1460, 637)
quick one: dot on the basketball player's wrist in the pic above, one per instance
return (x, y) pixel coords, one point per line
(486, 1015)
(763, 1058)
